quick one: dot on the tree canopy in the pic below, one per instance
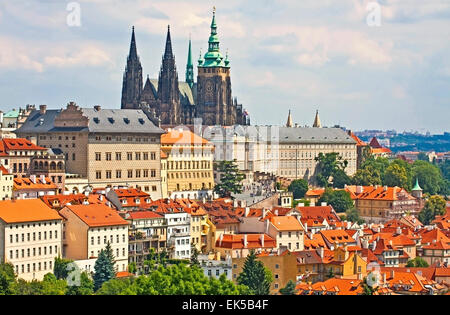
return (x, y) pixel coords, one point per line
(230, 178)
(255, 276)
(435, 205)
(340, 200)
(298, 187)
(330, 165)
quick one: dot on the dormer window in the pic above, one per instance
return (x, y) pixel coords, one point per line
(124, 201)
(96, 120)
(126, 120)
(138, 200)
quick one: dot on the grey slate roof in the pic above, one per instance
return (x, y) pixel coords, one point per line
(105, 120)
(285, 135)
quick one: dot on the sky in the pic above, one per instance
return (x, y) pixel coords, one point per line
(363, 64)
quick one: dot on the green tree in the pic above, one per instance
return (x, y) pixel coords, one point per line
(445, 169)
(340, 200)
(430, 177)
(7, 279)
(132, 268)
(367, 176)
(417, 262)
(255, 276)
(340, 179)
(194, 256)
(299, 188)
(328, 165)
(435, 205)
(104, 269)
(230, 178)
(289, 289)
(86, 286)
(423, 157)
(397, 175)
(352, 215)
(368, 289)
(53, 286)
(60, 268)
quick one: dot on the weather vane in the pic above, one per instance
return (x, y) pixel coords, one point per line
(214, 9)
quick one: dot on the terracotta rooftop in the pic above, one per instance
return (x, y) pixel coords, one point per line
(27, 210)
(96, 215)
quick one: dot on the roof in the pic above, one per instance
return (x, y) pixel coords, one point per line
(314, 135)
(380, 193)
(137, 215)
(319, 213)
(20, 144)
(97, 215)
(4, 170)
(236, 241)
(334, 285)
(26, 210)
(60, 200)
(438, 245)
(27, 183)
(286, 223)
(180, 137)
(103, 120)
(12, 114)
(337, 236)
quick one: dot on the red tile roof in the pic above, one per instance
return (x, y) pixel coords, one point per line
(96, 215)
(236, 241)
(27, 183)
(136, 215)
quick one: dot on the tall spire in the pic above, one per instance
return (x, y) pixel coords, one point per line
(133, 49)
(213, 58)
(132, 79)
(289, 120)
(168, 52)
(317, 123)
(190, 67)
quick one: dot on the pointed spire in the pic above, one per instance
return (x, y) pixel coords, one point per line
(190, 67)
(168, 52)
(417, 187)
(133, 49)
(289, 120)
(317, 123)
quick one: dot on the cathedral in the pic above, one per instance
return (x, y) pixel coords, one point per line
(175, 102)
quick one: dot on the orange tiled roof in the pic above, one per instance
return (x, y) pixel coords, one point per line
(27, 210)
(27, 183)
(286, 223)
(335, 285)
(438, 245)
(4, 170)
(136, 215)
(319, 213)
(337, 236)
(379, 193)
(59, 201)
(20, 144)
(163, 155)
(95, 215)
(359, 142)
(236, 241)
(174, 136)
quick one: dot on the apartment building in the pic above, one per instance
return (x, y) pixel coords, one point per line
(30, 237)
(189, 164)
(33, 187)
(287, 231)
(87, 230)
(106, 146)
(6, 183)
(16, 155)
(148, 230)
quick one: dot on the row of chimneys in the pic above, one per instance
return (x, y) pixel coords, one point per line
(41, 177)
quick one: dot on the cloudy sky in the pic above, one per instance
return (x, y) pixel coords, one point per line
(285, 54)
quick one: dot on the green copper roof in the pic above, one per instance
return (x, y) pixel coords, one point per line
(213, 58)
(12, 114)
(190, 67)
(417, 187)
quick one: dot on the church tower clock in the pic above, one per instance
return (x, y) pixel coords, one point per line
(214, 98)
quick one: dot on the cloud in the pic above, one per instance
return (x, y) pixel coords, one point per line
(15, 54)
(89, 55)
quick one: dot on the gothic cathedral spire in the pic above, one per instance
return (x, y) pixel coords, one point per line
(190, 67)
(132, 78)
(168, 91)
(317, 123)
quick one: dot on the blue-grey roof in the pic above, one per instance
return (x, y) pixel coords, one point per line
(104, 120)
(187, 95)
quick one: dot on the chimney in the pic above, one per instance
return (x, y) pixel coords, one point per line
(374, 245)
(42, 177)
(384, 277)
(97, 108)
(359, 189)
(312, 204)
(276, 212)
(301, 204)
(306, 227)
(33, 178)
(245, 240)
(267, 226)
(235, 203)
(247, 210)
(385, 188)
(101, 198)
(262, 240)
(220, 239)
(42, 109)
(399, 230)
(360, 277)
(392, 273)
(323, 204)
(321, 251)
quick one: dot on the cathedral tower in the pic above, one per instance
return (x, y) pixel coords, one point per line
(168, 91)
(214, 99)
(190, 67)
(132, 78)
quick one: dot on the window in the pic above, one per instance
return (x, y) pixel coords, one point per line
(145, 156)
(118, 174)
(153, 173)
(129, 156)
(98, 174)
(108, 156)
(108, 174)
(138, 156)
(118, 156)
(153, 156)
(138, 173)
(145, 173)
(98, 156)
(130, 173)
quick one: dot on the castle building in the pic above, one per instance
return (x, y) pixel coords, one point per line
(176, 102)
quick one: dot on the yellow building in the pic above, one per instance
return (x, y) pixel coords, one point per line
(189, 164)
(6, 183)
(30, 237)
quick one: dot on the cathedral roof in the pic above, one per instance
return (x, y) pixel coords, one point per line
(187, 95)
